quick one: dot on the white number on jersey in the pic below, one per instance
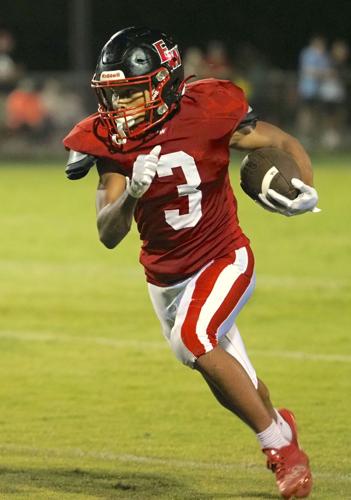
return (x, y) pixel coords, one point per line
(186, 162)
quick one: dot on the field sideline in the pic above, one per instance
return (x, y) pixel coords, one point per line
(93, 403)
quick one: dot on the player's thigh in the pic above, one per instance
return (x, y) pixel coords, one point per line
(165, 301)
(210, 303)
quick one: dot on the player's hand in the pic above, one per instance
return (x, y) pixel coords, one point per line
(144, 170)
(306, 201)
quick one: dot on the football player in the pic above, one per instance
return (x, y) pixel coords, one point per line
(161, 148)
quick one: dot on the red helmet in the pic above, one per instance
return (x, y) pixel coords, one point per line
(137, 60)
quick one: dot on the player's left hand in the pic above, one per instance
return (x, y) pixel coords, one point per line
(306, 201)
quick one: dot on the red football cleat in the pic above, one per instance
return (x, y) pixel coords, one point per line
(292, 471)
(289, 417)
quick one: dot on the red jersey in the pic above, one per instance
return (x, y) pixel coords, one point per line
(188, 216)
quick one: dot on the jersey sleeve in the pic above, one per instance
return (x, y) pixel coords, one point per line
(87, 137)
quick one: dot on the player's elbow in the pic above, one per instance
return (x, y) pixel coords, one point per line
(111, 239)
(108, 243)
(108, 239)
(112, 231)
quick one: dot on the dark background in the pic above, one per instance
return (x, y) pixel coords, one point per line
(43, 28)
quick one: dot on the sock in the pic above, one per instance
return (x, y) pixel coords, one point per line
(284, 427)
(272, 437)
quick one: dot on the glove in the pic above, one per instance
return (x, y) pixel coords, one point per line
(306, 201)
(144, 170)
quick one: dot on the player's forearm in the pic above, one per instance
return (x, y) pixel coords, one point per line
(275, 137)
(281, 139)
(266, 135)
(115, 219)
(295, 148)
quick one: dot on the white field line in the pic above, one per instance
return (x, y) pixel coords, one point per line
(160, 345)
(109, 456)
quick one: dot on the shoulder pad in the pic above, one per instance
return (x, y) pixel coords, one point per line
(79, 164)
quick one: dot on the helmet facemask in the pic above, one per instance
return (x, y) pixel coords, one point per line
(129, 107)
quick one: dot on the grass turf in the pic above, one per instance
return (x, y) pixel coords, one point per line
(93, 404)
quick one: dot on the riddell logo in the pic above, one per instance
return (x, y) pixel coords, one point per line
(171, 56)
(112, 75)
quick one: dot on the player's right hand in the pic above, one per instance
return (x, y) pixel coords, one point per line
(144, 170)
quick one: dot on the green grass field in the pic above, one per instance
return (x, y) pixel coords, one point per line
(93, 403)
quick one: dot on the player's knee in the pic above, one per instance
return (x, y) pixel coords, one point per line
(181, 351)
(187, 347)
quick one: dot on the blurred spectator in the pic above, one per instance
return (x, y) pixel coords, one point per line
(218, 61)
(252, 75)
(9, 70)
(195, 63)
(26, 114)
(314, 67)
(62, 105)
(333, 95)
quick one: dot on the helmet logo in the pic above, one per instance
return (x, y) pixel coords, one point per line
(112, 75)
(170, 56)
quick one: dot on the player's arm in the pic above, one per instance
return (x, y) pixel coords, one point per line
(114, 208)
(266, 135)
(262, 134)
(117, 197)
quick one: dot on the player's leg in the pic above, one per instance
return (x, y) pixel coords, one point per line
(195, 345)
(172, 308)
(283, 417)
(206, 312)
(226, 404)
(230, 379)
(264, 395)
(234, 345)
(169, 303)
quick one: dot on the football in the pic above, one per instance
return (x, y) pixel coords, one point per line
(268, 168)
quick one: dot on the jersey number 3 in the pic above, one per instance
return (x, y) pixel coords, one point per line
(187, 164)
